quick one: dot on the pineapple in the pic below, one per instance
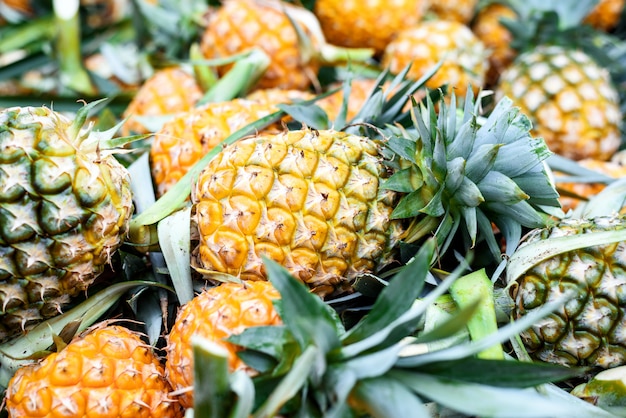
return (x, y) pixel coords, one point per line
(568, 95)
(239, 25)
(168, 91)
(458, 10)
(371, 24)
(496, 37)
(332, 205)
(463, 55)
(569, 98)
(606, 14)
(216, 314)
(182, 141)
(65, 204)
(587, 330)
(108, 372)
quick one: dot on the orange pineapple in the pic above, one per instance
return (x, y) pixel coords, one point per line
(458, 10)
(495, 37)
(424, 45)
(215, 314)
(169, 91)
(606, 14)
(370, 24)
(109, 372)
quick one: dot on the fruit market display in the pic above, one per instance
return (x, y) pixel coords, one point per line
(271, 208)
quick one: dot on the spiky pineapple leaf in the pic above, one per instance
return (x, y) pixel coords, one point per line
(212, 393)
(500, 373)
(382, 397)
(308, 318)
(484, 400)
(397, 297)
(311, 115)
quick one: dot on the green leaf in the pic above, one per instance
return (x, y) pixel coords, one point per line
(497, 187)
(211, 386)
(482, 400)
(477, 288)
(174, 239)
(405, 148)
(404, 181)
(397, 298)
(306, 316)
(243, 387)
(383, 397)
(501, 373)
(311, 115)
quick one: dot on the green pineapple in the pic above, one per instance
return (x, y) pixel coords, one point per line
(65, 204)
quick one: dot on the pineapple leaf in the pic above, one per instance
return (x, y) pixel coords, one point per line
(383, 397)
(212, 393)
(483, 400)
(307, 317)
(311, 115)
(500, 373)
(243, 387)
(397, 297)
(497, 187)
(174, 240)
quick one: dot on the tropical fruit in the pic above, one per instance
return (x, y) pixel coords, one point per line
(109, 372)
(458, 10)
(463, 55)
(487, 27)
(606, 14)
(216, 314)
(588, 329)
(569, 98)
(168, 91)
(65, 205)
(371, 24)
(240, 25)
(329, 205)
(183, 140)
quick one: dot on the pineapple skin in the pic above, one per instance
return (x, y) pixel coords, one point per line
(168, 91)
(63, 213)
(110, 372)
(309, 200)
(458, 10)
(371, 24)
(424, 45)
(569, 99)
(215, 314)
(606, 14)
(239, 25)
(588, 330)
(184, 140)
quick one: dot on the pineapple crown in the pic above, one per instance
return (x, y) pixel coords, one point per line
(461, 173)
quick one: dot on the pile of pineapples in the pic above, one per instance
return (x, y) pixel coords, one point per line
(258, 208)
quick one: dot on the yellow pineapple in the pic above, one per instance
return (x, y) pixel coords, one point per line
(463, 55)
(216, 314)
(239, 25)
(168, 91)
(458, 10)
(182, 141)
(109, 372)
(496, 38)
(370, 24)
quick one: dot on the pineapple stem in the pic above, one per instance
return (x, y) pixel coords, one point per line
(67, 47)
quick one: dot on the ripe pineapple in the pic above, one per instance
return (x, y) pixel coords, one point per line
(239, 25)
(329, 206)
(569, 98)
(65, 205)
(587, 330)
(182, 141)
(606, 14)
(215, 314)
(371, 24)
(458, 10)
(496, 38)
(108, 372)
(424, 45)
(168, 91)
